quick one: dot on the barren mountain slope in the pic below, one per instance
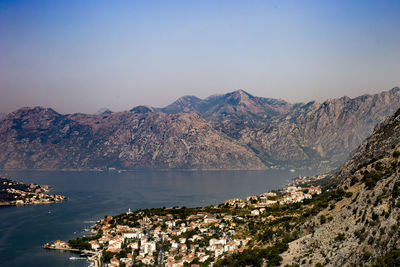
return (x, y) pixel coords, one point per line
(364, 225)
(231, 131)
(284, 134)
(39, 138)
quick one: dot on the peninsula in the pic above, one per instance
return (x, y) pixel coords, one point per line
(17, 193)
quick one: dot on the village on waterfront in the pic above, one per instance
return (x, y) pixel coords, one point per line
(17, 193)
(203, 236)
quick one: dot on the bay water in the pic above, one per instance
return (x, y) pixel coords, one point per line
(92, 195)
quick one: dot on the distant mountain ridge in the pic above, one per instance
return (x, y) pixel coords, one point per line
(229, 131)
(281, 133)
(40, 138)
(238, 104)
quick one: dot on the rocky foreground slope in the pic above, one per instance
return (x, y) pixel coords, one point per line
(364, 225)
(231, 131)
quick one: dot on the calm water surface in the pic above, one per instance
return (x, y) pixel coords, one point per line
(23, 230)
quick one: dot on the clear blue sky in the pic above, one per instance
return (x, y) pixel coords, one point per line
(79, 56)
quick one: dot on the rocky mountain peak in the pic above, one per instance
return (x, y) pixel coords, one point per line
(187, 99)
(36, 110)
(239, 97)
(183, 104)
(395, 90)
(241, 94)
(103, 111)
(142, 109)
(33, 116)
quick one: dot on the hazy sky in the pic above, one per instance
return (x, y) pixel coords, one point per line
(79, 56)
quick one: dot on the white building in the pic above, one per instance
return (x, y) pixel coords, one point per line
(255, 212)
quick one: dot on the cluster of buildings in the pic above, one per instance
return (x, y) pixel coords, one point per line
(58, 244)
(22, 197)
(301, 180)
(173, 241)
(168, 240)
(21, 194)
(264, 199)
(293, 194)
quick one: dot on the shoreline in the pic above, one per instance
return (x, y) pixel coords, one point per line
(95, 257)
(253, 208)
(14, 193)
(5, 204)
(48, 246)
(279, 168)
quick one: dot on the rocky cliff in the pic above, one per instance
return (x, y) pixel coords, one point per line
(230, 131)
(364, 225)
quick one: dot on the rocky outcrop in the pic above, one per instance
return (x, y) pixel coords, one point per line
(365, 224)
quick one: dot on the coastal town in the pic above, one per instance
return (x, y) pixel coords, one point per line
(182, 236)
(17, 193)
(309, 180)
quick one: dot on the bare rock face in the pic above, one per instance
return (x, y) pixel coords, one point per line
(314, 133)
(294, 135)
(230, 131)
(39, 138)
(238, 107)
(365, 225)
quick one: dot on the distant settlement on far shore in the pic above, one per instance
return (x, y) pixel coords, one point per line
(17, 193)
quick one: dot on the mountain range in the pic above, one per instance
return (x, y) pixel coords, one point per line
(229, 131)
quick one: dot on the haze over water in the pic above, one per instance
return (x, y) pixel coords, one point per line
(23, 230)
